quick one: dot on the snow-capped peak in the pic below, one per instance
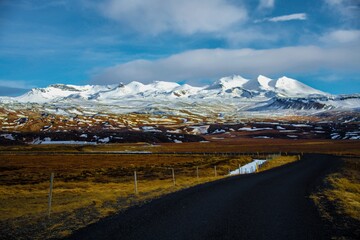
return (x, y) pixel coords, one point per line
(229, 82)
(135, 87)
(265, 82)
(292, 88)
(261, 83)
(164, 86)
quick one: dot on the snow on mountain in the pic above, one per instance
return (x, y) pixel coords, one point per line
(228, 83)
(229, 94)
(164, 86)
(136, 87)
(42, 95)
(185, 90)
(226, 87)
(59, 91)
(288, 87)
(265, 82)
(259, 84)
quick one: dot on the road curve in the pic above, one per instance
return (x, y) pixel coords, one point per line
(269, 205)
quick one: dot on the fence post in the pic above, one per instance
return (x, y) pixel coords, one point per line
(173, 176)
(50, 193)
(239, 169)
(135, 183)
(197, 172)
(215, 171)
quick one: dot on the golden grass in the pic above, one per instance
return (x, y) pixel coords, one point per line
(278, 161)
(241, 145)
(20, 200)
(344, 190)
(340, 199)
(90, 187)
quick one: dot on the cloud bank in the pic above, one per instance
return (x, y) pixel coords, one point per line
(13, 88)
(196, 65)
(182, 17)
(342, 37)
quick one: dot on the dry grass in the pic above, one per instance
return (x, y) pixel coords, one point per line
(339, 200)
(278, 161)
(241, 145)
(90, 187)
(21, 200)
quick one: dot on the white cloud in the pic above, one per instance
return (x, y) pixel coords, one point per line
(237, 38)
(342, 37)
(202, 64)
(284, 18)
(290, 17)
(182, 17)
(349, 9)
(263, 4)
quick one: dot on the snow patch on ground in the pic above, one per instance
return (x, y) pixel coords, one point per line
(301, 125)
(149, 129)
(292, 136)
(8, 136)
(65, 142)
(200, 129)
(248, 168)
(219, 131)
(287, 130)
(104, 140)
(335, 136)
(253, 129)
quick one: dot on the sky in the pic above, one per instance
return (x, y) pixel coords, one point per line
(79, 42)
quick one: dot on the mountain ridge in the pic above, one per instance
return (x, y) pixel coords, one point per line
(233, 107)
(231, 95)
(236, 85)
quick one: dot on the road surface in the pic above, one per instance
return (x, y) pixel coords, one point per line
(269, 205)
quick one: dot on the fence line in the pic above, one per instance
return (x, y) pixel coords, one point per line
(173, 176)
(135, 183)
(253, 169)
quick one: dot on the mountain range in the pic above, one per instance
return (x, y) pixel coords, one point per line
(227, 87)
(233, 107)
(233, 93)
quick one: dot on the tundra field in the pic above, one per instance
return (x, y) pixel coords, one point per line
(92, 182)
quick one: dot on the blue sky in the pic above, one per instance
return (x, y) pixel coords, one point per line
(44, 42)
